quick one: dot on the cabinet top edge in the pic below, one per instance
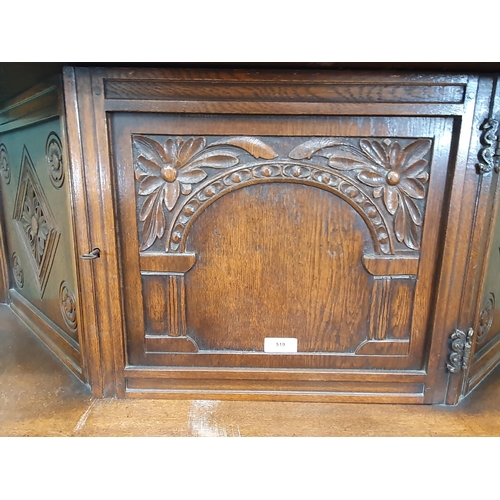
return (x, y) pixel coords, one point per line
(318, 76)
(36, 104)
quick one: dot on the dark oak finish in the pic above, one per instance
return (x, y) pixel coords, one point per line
(352, 211)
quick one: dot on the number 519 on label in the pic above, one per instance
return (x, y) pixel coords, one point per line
(274, 344)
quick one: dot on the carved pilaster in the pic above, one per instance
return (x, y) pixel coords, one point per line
(380, 310)
(163, 274)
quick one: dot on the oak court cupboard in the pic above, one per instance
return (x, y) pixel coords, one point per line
(298, 235)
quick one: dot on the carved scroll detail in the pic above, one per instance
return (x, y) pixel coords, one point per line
(461, 345)
(486, 318)
(53, 155)
(487, 154)
(17, 270)
(4, 163)
(67, 302)
(35, 222)
(166, 171)
(397, 175)
(320, 177)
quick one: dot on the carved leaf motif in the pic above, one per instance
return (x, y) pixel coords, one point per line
(149, 185)
(405, 230)
(414, 211)
(147, 207)
(306, 150)
(150, 150)
(391, 199)
(187, 150)
(252, 145)
(192, 176)
(343, 160)
(171, 195)
(154, 222)
(372, 179)
(146, 167)
(412, 237)
(416, 151)
(215, 159)
(375, 151)
(413, 188)
(400, 225)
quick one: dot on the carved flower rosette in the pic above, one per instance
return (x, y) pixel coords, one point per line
(397, 175)
(35, 225)
(4, 163)
(166, 171)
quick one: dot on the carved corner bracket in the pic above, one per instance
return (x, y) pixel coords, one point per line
(489, 154)
(460, 350)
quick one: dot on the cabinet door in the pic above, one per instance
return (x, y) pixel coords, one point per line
(234, 229)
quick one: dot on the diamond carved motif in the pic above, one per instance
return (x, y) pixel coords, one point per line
(35, 222)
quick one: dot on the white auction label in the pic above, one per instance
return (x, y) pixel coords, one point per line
(280, 345)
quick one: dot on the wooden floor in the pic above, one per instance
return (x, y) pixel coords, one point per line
(40, 397)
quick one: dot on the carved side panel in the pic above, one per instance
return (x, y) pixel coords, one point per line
(36, 215)
(488, 322)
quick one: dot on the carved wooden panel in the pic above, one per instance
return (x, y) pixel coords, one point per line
(38, 231)
(229, 239)
(173, 175)
(35, 222)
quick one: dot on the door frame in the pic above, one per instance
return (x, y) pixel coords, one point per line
(87, 106)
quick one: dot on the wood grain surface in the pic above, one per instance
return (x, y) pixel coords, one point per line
(40, 397)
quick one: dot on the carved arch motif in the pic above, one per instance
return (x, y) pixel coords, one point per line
(247, 175)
